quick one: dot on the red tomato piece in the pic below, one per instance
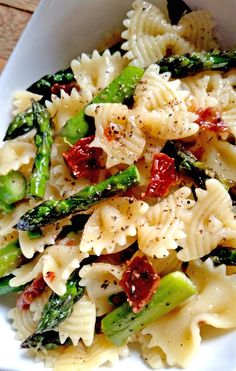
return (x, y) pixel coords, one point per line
(163, 175)
(56, 88)
(30, 293)
(139, 282)
(211, 120)
(83, 160)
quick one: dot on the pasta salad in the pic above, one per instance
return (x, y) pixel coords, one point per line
(117, 197)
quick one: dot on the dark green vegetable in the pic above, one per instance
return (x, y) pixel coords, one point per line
(123, 322)
(5, 287)
(52, 210)
(12, 189)
(43, 141)
(188, 164)
(10, 257)
(117, 91)
(36, 233)
(223, 255)
(48, 340)
(192, 63)
(21, 124)
(44, 85)
(58, 307)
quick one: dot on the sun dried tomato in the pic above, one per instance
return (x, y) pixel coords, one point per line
(31, 292)
(83, 160)
(139, 282)
(211, 120)
(56, 88)
(163, 175)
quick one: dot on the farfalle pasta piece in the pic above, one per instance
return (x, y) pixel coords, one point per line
(210, 222)
(36, 307)
(80, 324)
(197, 86)
(81, 358)
(7, 238)
(101, 280)
(29, 247)
(154, 356)
(23, 322)
(67, 105)
(168, 264)
(47, 357)
(9, 220)
(153, 146)
(113, 225)
(160, 106)
(94, 73)
(62, 260)
(178, 332)
(220, 156)
(149, 35)
(163, 227)
(23, 100)
(220, 88)
(116, 133)
(14, 154)
(197, 27)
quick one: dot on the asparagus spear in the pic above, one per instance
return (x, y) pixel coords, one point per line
(43, 141)
(122, 322)
(223, 255)
(5, 287)
(48, 340)
(188, 164)
(52, 210)
(43, 86)
(21, 124)
(10, 257)
(117, 91)
(192, 63)
(58, 307)
(12, 189)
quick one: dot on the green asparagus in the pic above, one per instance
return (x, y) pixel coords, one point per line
(192, 63)
(52, 210)
(21, 124)
(117, 91)
(123, 322)
(10, 257)
(43, 141)
(48, 340)
(5, 287)
(58, 307)
(36, 233)
(12, 189)
(44, 85)
(223, 255)
(188, 164)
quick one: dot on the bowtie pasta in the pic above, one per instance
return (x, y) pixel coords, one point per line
(117, 194)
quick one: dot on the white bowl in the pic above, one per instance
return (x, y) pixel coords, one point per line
(58, 31)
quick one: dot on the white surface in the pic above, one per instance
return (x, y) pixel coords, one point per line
(59, 31)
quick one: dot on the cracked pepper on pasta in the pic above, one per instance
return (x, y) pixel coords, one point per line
(102, 264)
